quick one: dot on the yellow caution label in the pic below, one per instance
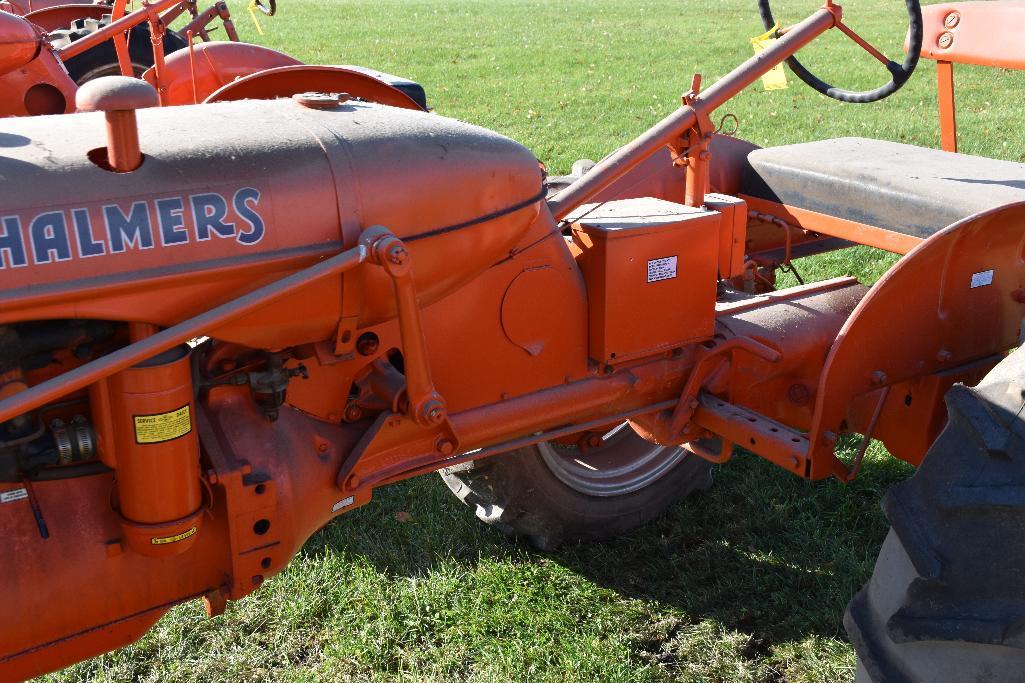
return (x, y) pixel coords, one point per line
(164, 540)
(163, 426)
(776, 78)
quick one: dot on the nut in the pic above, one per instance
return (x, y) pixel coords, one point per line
(445, 447)
(878, 377)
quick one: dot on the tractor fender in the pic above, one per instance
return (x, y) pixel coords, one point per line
(946, 312)
(60, 16)
(286, 81)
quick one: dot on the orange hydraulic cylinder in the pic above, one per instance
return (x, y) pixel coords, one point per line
(156, 447)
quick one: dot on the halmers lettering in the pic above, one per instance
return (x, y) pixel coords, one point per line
(55, 236)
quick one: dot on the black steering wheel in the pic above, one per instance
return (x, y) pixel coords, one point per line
(899, 73)
(269, 9)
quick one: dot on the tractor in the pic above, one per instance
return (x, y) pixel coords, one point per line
(212, 343)
(53, 49)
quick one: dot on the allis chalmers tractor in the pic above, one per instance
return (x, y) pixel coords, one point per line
(52, 50)
(213, 342)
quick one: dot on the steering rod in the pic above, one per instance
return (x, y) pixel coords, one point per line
(698, 107)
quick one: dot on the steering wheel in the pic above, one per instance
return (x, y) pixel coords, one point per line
(269, 9)
(899, 73)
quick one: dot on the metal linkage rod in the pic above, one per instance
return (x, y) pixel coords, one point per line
(204, 323)
(679, 122)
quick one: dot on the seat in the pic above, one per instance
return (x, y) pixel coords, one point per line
(911, 190)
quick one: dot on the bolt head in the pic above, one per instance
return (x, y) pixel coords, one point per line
(353, 413)
(445, 447)
(878, 377)
(945, 40)
(951, 20)
(397, 254)
(943, 355)
(434, 412)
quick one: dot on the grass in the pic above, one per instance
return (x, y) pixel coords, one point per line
(745, 582)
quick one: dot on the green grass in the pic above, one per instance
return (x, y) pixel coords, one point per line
(746, 582)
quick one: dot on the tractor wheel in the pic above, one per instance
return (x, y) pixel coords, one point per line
(550, 493)
(102, 59)
(947, 599)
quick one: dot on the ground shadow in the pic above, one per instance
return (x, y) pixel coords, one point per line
(761, 552)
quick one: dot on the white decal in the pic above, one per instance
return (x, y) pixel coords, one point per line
(11, 496)
(343, 503)
(982, 279)
(662, 269)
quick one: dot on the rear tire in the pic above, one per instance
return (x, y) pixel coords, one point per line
(102, 59)
(530, 494)
(946, 601)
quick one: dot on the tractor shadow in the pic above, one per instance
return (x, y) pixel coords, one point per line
(761, 552)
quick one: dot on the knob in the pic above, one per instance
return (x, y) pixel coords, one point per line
(118, 97)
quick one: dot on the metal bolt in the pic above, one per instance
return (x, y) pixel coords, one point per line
(353, 413)
(445, 447)
(951, 20)
(367, 344)
(433, 411)
(397, 254)
(945, 40)
(322, 447)
(878, 377)
(943, 355)
(799, 394)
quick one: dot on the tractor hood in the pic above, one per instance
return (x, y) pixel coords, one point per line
(250, 187)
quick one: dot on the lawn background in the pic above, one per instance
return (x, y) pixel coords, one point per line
(746, 582)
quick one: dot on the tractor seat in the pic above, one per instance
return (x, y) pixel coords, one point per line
(911, 190)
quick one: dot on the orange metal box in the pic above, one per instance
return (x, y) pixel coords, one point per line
(650, 268)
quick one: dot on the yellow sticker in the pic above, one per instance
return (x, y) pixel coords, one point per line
(163, 426)
(776, 77)
(173, 539)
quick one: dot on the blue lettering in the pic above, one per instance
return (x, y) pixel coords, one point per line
(249, 214)
(172, 224)
(49, 234)
(12, 246)
(87, 246)
(209, 211)
(128, 232)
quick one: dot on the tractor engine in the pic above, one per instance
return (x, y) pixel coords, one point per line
(194, 473)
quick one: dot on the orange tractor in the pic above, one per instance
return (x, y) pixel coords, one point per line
(212, 343)
(49, 50)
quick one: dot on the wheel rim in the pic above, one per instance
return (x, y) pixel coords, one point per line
(624, 463)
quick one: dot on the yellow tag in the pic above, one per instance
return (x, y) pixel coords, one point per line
(173, 539)
(252, 15)
(163, 426)
(776, 78)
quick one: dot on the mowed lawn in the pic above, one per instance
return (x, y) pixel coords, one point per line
(745, 582)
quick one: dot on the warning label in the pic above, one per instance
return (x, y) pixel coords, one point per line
(11, 496)
(662, 269)
(163, 426)
(164, 540)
